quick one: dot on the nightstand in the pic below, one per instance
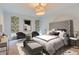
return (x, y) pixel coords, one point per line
(3, 43)
(73, 41)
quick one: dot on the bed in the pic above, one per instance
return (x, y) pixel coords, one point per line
(52, 42)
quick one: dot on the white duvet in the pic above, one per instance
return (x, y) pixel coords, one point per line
(47, 37)
(52, 45)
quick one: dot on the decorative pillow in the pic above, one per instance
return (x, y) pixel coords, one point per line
(62, 30)
(62, 34)
(54, 33)
(49, 32)
(20, 35)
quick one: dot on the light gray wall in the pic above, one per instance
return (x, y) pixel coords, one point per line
(61, 14)
(7, 22)
(66, 12)
(1, 19)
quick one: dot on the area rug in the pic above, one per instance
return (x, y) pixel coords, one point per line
(21, 49)
(66, 51)
(70, 52)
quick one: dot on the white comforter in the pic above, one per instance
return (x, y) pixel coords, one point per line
(50, 45)
(47, 37)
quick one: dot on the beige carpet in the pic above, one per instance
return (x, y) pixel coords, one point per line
(63, 51)
(21, 49)
(67, 51)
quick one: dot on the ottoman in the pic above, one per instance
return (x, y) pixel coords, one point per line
(34, 48)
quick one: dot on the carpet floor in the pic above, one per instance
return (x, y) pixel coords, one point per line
(63, 51)
(16, 48)
(67, 51)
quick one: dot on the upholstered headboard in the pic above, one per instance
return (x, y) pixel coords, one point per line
(0, 28)
(68, 25)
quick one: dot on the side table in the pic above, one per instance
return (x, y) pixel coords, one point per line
(4, 43)
(75, 41)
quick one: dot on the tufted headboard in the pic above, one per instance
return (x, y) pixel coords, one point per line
(0, 28)
(68, 25)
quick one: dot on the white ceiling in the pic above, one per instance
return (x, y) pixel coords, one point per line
(27, 9)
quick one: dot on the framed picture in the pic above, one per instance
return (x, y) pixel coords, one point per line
(37, 27)
(14, 23)
(27, 25)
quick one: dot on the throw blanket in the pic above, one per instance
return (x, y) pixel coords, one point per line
(47, 37)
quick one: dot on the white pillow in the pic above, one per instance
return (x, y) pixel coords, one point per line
(62, 34)
(51, 31)
(58, 31)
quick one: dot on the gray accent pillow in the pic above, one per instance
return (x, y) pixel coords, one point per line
(54, 33)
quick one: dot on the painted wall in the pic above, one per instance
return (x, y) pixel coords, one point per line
(7, 22)
(1, 19)
(61, 14)
(65, 12)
